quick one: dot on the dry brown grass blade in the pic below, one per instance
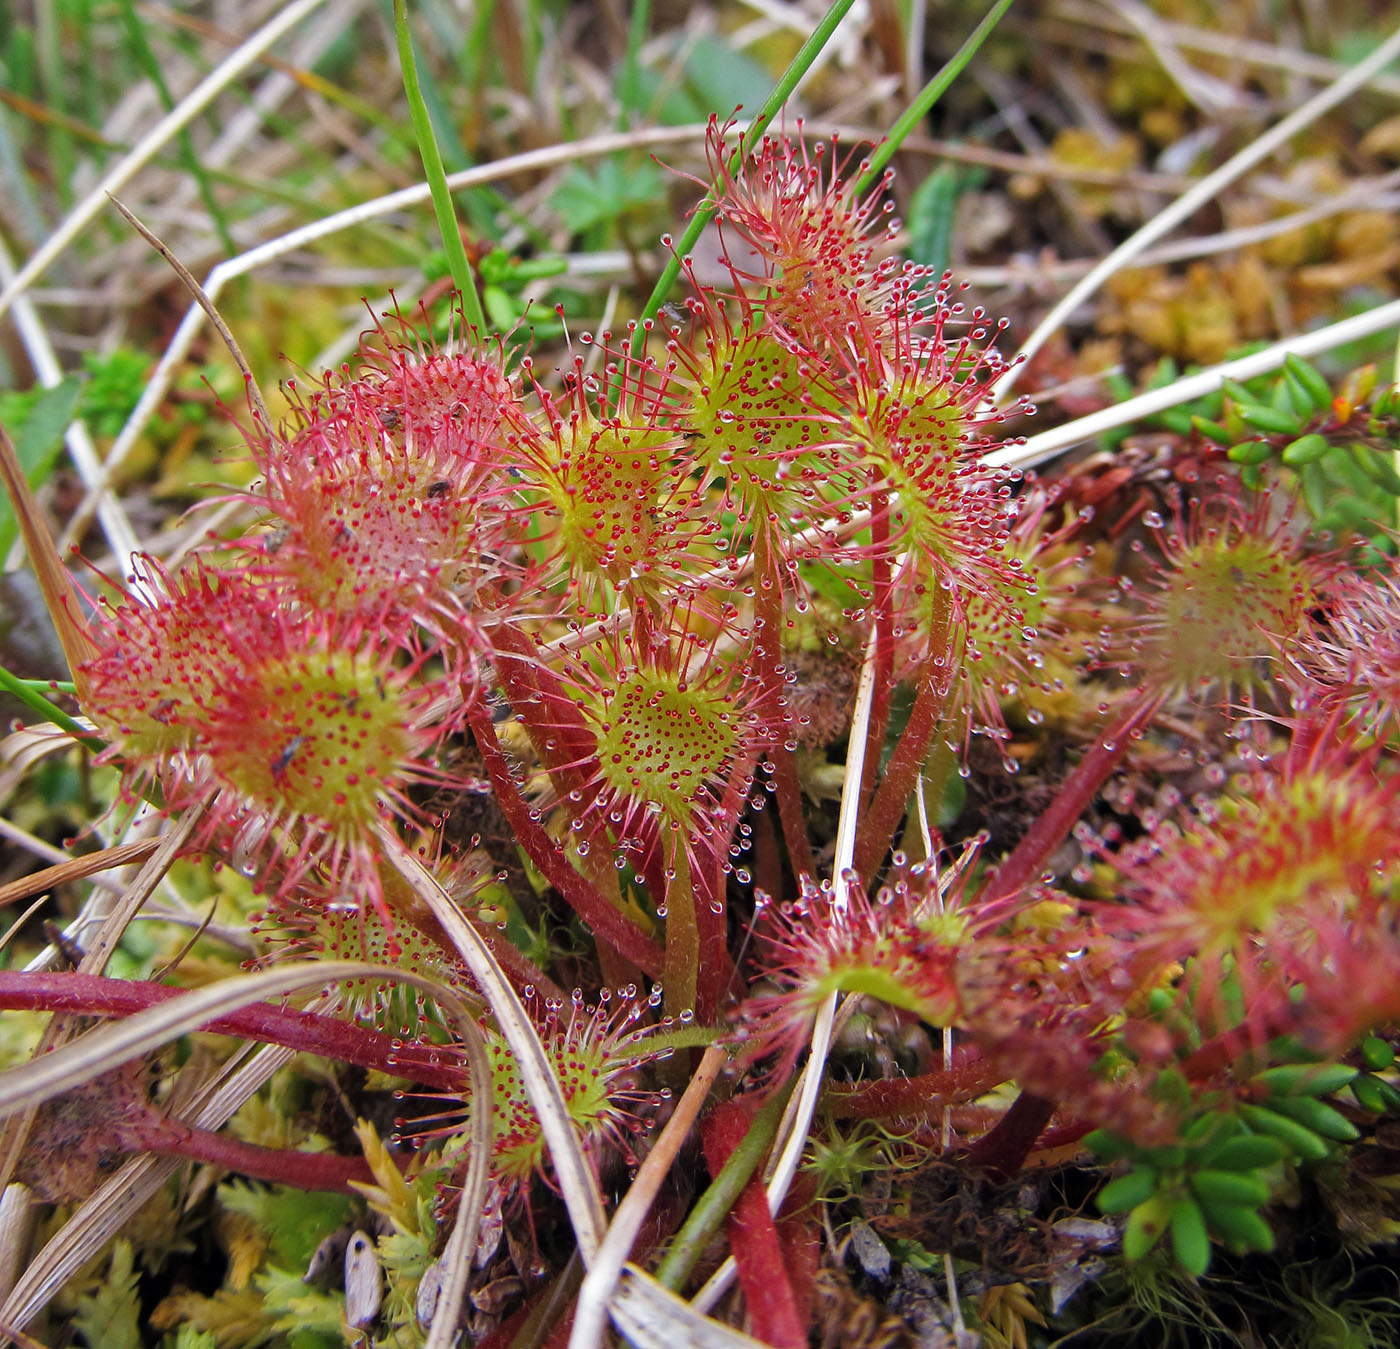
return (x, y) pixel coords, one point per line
(20, 1339)
(60, 594)
(187, 278)
(96, 1052)
(461, 1245)
(18, 1216)
(16, 1132)
(77, 869)
(139, 891)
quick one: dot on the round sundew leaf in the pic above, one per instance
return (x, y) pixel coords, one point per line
(165, 665)
(660, 742)
(367, 527)
(609, 486)
(756, 416)
(318, 737)
(593, 1054)
(1229, 599)
(911, 437)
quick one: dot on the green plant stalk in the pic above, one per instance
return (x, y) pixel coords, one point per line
(705, 212)
(446, 214)
(705, 1218)
(629, 83)
(924, 101)
(146, 58)
(27, 692)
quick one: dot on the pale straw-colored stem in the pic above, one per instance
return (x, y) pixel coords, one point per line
(1037, 449)
(591, 1308)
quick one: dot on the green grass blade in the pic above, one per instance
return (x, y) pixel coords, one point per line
(146, 59)
(446, 214)
(29, 695)
(915, 113)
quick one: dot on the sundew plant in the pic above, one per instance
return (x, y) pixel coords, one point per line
(744, 834)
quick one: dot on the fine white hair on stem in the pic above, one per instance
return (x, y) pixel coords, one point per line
(1205, 190)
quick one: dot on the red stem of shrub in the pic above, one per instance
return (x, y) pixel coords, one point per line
(1004, 1149)
(892, 797)
(1027, 860)
(533, 689)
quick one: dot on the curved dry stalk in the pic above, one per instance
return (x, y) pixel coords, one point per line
(653, 1317)
(187, 279)
(577, 1183)
(107, 1046)
(461, 1245)
(98, 1051)
(184, 112)
(18, 1216)
(792, 1133)
(591, 1306)
(1205, 190)
(797, 1119)
(1037, 449)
